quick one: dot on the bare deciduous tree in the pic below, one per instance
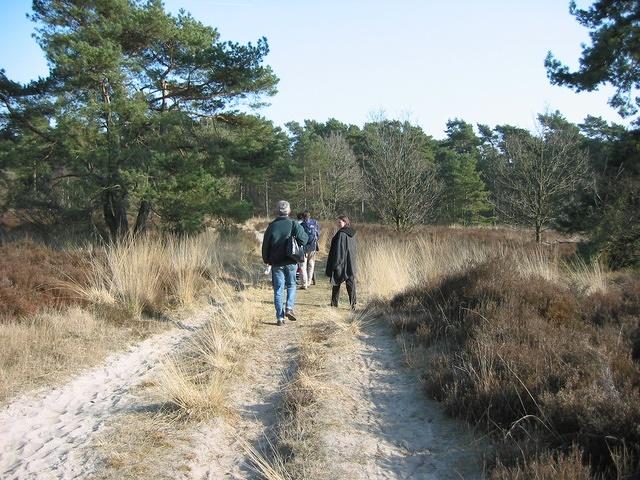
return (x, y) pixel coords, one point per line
(401, 181)
(538, 175)
(344, 184)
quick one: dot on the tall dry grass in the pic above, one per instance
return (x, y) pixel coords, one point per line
(588, 278)
(196, 382)
(149, 274)
(389, 266)
(43, 341)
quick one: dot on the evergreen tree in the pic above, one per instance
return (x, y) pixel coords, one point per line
(612, 56)
(123, 115)
(465, 198)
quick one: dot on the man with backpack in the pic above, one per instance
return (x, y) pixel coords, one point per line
(275, 252)
(312, 229)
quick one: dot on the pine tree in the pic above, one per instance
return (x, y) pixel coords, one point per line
(124, 114)
(465, 198)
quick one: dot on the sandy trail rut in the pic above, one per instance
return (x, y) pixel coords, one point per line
(383, 425)
(379, 426)
(43, 435)
(220, 452)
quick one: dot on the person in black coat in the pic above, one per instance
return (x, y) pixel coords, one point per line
(341, 263)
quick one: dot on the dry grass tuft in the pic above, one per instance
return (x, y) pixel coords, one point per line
(197, 382)
(193, 395)
(270, 465)
(588, 278)
(547, 466)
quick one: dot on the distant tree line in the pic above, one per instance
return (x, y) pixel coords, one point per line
(137, 125)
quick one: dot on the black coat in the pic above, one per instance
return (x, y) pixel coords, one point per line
(341, 263)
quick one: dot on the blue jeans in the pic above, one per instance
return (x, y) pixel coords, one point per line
(281, 277)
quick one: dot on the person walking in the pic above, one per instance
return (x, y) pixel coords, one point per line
(283, 268)
(312, 229)
(341, 262)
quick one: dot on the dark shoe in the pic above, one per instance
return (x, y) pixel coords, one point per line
(290, 315)
(280, 322)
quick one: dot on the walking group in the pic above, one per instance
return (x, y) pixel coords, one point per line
(290, 245)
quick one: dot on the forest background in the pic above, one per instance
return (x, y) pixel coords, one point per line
(137, 126)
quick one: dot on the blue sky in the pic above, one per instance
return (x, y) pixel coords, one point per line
(426, 60)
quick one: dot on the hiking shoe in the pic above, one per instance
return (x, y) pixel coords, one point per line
(303, 287)
(290, 315)
(280, 322)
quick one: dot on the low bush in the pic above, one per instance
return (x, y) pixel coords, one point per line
(543, 364)
(30, 277)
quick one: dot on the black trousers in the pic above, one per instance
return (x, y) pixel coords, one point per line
(351, 290)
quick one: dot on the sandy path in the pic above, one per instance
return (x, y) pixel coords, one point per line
(44, 435)
(376, 424)
(256, 398)
(382, 426)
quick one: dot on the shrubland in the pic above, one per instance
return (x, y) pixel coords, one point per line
(535, 347)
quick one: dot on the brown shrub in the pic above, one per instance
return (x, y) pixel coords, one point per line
(530, 357)
(546, 466)
(30, 275)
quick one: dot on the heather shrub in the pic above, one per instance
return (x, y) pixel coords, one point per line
(533, 359)
(30, 276)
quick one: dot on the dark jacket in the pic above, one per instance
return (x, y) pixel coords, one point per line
(341, 263)
(274, 244)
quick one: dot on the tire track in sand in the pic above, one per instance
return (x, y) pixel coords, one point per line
(44, 435)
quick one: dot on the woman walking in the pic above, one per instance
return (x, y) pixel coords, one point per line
(341, 263)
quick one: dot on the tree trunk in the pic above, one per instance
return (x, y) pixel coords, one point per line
(115, 215)
(304, 185)
(320, 187)
(538, 232)
(143, 215)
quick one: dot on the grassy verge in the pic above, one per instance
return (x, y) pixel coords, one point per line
(192, 386)
(196, 381)
(542, 353)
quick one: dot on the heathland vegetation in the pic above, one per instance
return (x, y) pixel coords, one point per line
(505, 260)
